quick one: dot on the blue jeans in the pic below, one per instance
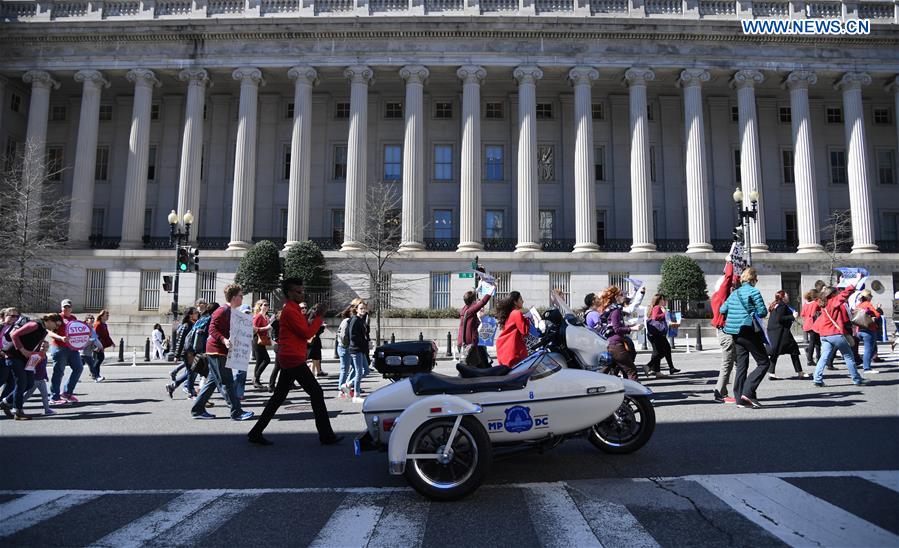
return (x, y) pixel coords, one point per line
(360, 370)
(219, 377)
(60, 357)
(829, 346)
(869, 340)
(24, 382)
(7, 378)
(346, 364)
(240, 383)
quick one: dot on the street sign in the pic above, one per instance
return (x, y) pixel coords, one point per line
(463, 275)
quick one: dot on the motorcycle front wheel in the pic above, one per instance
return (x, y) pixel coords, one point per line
(462, 471)
(627, 429)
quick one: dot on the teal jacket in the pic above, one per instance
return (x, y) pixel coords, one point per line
(738, 308)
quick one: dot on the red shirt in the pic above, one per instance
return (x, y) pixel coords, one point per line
(61, 330)
(103, 334)
(469, 322)
(293, 335)
(510, 346)
(718, 319)
(808, 313)
(836, 309)
(219, 330)
(872, 311)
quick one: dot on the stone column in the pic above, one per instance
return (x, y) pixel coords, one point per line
(305, 78)
(81, 208)
(192, 143)
(35, 152)
(243, 199)
(528, 193)
(3, 83)
(697, 175)
(641, 186)
(357, 145)
(470, 197)
(584, 183)
(138, 152)
(894, 85)
(750, 168)
(413, 159)
(857, 152)
(804, 161)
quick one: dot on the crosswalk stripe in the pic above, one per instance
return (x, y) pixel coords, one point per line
(37, 507)
(402, 523)
(557, 519)
(352, 524)
(156, 523)
(886, 478)
(793, 515)
(614, 525)
(207, 521)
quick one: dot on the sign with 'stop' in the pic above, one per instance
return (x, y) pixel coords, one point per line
(79, 334)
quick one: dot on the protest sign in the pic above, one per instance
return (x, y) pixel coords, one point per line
(673, 317)
(241, 341)
(79, 334)
(487, 331)
(485, 288)
(635, 284)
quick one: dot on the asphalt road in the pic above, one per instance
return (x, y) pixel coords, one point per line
(128, 439)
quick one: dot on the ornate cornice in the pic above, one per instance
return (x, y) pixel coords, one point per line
(92, 78)
(471, 74)
(853, 80)
(800, 79)
(414, 74)
(40, 79)
(303, 74)
(583, 76)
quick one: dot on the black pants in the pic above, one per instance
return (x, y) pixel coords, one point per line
(794, 356)
(307, 381)
(660, 349)
(813, 350)
(624, 360)
(262, 361)
(747, 342)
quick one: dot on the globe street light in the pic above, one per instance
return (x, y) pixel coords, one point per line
(748, 213)
(176, 237)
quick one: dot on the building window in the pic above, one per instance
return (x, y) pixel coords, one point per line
(561, 282)
(284, 223)
(443, 224)
(101, 165)
(785, 115)
(546, 163)
(205, 111)
(206, 285)
(148, 222)
(38, 293)
(601, 226)
(288, 112)
(15, 103)
(94, 289)
(652, 163)
(58, 113)
(494, 156)
(285, 163)
(337, 225)
(443, 110)
(734, 114)
(882, 116)
(650, 113)
(544, 111)
(154, 112)
(440, 290)
(98, 222)
(393, 162)
(620, 280)
(738, 176)
(493, 224)
(393, 111)
(791, 230)
(599, 163)
(151, 163)
(891, 229)
(547, 221)
(149, 290)
(55, 164)
(786, 162)
(834, 115)
(838, 174)
(12, 150)
(443, 162)
(886, 166)
(105, 113)
(493, 111)
(503, 286)
(382, 296)
(340, 162)
(202, 162)
(342, 111)
(597, 111)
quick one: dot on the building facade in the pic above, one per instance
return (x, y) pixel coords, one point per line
(567, 143)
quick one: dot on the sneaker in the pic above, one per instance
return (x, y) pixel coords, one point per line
(101, 378)
(773, 377)
(258, 386)
(872, 371)
(70, 398)
(191, 397)
(6, 410)
(58, 401)
(351, 394)
(730, 400)
(49, 412)
(660, 375)
(210, 404)
(860, 382)
(754, 403)
(673, 370)
(170, 388)
(344, 389)
(358, 399)
(718, 397)
(246, 415)
(20, 416)
(341, 396)
(321, 374)
(819, 384)
(204, 415)
(172, 374)
(803, 375)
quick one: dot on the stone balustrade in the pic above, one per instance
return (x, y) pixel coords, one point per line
(878, 11)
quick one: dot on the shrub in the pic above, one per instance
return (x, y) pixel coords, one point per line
(260, 269)
(682, 280)
(305, 261)
(429, 313)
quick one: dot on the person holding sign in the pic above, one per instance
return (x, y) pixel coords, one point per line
(27, 343)
(471, 352)
(742, 311)
(293, 333)
(62, 354)
(217, 346)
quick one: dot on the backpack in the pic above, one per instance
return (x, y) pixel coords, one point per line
(604, 328)
(343, 333)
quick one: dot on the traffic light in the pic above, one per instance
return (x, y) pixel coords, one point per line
(474, 263)
(167, 284)
(195, 252)
(183, 260)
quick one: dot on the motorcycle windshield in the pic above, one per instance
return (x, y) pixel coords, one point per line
(557, 301)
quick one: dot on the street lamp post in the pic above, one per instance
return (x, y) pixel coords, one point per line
(745, 214)
(176, 237)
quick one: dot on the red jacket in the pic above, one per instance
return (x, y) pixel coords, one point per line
(293, 333)
(219, 330)
(103, 334)
(510, 346)
(718, 319)
(836, 308)
(871, 311)
(469, 321)
(808, 313)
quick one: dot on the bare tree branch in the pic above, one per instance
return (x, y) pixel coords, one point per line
(837, 234)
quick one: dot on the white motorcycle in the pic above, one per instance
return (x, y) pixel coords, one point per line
(441, 432)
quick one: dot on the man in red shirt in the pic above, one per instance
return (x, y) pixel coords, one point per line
(61, 354)
(293, 333)
(726, 341)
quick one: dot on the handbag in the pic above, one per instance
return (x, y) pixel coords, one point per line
(850, 340)
(862, 319)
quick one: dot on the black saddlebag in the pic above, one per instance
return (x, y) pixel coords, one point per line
(404, 359)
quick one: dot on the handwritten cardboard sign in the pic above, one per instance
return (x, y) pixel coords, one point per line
(241, 341)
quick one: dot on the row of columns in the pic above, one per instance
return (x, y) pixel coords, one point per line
(361, 77)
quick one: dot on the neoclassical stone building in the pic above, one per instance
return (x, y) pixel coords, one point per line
(568, 143)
